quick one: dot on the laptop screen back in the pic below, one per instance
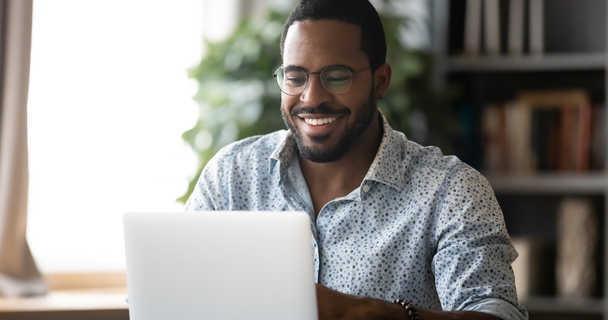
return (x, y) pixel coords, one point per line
(219, 265)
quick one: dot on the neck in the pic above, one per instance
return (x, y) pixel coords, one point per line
(327, 181)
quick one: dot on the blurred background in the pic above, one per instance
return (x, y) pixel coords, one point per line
(129, 99)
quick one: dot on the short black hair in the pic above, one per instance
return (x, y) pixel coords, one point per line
(358, 12)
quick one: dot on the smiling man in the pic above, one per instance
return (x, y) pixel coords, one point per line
(400, 231)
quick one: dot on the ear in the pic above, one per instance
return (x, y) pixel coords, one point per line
(382, 80)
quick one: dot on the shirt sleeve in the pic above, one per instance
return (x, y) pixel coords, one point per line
(208, 193)
(472, 264)
(498, 308)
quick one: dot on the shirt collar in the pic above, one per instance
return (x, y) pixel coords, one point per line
(387, 167)
(283, 155)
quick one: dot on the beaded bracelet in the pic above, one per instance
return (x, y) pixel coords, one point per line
(409, 307)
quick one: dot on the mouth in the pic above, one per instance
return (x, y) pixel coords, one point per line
(318, 128)
(319, 121)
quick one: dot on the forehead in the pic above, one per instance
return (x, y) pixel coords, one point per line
(316, 44)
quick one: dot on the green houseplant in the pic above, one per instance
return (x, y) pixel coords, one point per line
(238, 97)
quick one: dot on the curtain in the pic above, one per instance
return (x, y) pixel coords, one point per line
(19, 275)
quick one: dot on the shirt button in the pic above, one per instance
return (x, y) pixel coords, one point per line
(366, 188)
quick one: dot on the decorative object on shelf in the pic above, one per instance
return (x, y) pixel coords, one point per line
(577, 243)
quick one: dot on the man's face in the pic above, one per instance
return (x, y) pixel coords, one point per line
(326, 125)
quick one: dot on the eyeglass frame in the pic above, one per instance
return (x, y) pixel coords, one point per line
(320, 72)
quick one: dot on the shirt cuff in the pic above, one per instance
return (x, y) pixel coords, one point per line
(500, 308)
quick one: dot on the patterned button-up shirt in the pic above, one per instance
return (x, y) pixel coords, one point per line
(421, 226)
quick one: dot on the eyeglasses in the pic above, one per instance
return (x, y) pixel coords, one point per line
(335, 79)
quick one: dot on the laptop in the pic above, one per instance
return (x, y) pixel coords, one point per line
(219, 265)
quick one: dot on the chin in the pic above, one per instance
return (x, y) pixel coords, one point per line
(321, 154)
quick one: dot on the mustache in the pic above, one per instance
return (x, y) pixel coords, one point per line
(320, 109)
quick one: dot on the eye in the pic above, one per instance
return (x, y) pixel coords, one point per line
(295, 81)
(337, 77)
(295, 78)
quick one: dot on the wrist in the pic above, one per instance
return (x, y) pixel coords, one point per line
(372, 308)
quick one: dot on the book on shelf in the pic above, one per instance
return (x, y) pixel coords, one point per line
(494, 138)
(472, 27)
(518, 134)
(505, 140)
(536, 24)
(491, 27)
(565, 118)
(494, 27)
(598, 138)
(539, 131)
(515, 42)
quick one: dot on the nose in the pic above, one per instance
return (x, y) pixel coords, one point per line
(314, 94)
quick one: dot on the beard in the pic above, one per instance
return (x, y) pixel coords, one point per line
(347, 140)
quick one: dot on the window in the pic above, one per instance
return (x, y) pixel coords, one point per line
(109, 100)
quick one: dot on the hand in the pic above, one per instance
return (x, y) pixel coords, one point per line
(334, 305)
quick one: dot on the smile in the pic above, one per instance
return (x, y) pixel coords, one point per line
(319, 122)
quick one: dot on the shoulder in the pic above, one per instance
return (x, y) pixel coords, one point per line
(430, 157)
(244, 156)
(415, 157)
(428, 166)
(252, 148)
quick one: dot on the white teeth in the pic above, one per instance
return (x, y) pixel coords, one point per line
(318, 122)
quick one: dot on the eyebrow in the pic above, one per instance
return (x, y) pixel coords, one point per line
(291, 66)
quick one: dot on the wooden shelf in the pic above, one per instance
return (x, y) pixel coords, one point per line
(528, 63)
(68, 300)
(549, 183)
(100, 304)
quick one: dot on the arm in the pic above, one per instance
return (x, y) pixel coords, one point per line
(334, 305)
(470, 262)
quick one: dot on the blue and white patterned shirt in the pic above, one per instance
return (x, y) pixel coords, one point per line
(421, 226)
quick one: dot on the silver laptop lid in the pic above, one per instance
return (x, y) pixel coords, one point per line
(219, 265)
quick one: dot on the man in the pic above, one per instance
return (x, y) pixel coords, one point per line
(390, 219)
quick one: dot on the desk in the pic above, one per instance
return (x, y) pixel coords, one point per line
(101, 304)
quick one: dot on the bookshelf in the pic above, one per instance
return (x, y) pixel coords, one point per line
(548, 62)
(558, 183)
(561, 45)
